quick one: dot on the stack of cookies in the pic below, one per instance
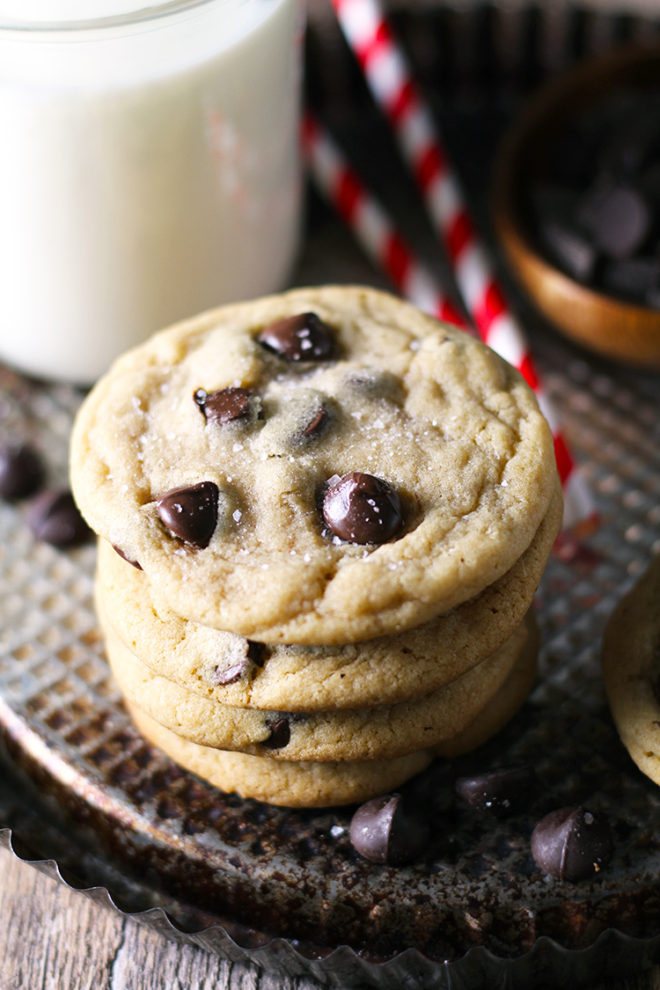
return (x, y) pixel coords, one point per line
(322, 518)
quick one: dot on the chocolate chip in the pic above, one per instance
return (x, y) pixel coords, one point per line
(618, 219)
(571, 844)
(362, 509)
(568, 248)
(632, 277)
(385, 831)
(125, 557)
(191, 513)
(375, 384)
(255, 655)
(317, 424)
(632, 141)
(225, 405)
(257, 652)
(54, 517)
(21, 471)
(280, 733)
(500, 791)
(232, 673)
(299, 338)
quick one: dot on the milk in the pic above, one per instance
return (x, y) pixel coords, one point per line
(149, 170)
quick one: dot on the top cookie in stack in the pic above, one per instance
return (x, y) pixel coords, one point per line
(315, 471)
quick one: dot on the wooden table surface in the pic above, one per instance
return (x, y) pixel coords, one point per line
(53, 938)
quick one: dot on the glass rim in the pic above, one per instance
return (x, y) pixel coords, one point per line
(141, 15)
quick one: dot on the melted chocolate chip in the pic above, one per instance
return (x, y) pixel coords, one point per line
(500, 791)
(232, 673)
(124, 556)
(280, 733)
(317, 424)
(225, 405)
(360, 508)
(54, 517)
(191, 513)
(375, 384)
(384, 831)
(257, 652)
(21, 471)
(255, 655)
(299, 338)
(571, 844)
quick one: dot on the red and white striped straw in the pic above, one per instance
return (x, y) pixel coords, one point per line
(394, 88)
(373, 228)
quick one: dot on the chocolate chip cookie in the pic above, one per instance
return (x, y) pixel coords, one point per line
(364, 734)
(315, 785)
(320, 467)
(292, 784)
(631, 669)
(232, 670)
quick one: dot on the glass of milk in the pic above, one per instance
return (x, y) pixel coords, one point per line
(149, 169)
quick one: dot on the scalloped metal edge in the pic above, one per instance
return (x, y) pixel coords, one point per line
(613, 955)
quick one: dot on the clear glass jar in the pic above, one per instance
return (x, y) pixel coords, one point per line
(149, 169)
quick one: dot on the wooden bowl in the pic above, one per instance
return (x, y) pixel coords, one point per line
(603, 323)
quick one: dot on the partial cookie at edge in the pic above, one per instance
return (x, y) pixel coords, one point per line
(631, 670)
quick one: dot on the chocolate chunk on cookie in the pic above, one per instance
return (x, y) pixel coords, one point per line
(299, 338)
(362, 509)
(190, 513)
(225, 405)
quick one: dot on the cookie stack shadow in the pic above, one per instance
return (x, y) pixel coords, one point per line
(299, 721)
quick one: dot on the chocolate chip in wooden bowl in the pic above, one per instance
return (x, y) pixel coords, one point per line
(227, 405)
(385, 830)
(569, 248)
(636, 278)
(361, 508)
(191, 512)
(501, 791)
(21, 471)
(631, 137)
(55, 518)
(617, 217)
(304, 337)
(571, 844)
